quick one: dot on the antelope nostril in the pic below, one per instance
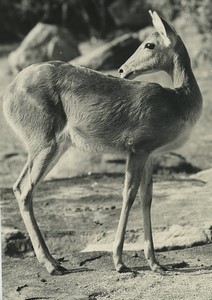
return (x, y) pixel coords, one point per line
(121, 71)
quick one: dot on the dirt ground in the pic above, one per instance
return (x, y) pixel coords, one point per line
(82, 211)
(190, 278)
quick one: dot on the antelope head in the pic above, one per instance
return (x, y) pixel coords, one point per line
(155, 53)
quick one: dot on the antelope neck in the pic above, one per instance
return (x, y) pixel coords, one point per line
(185, 86)
(183, 77)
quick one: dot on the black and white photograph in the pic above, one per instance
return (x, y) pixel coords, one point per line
(106, 149)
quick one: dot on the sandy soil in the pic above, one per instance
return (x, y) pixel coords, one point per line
(189, 278)
(84, 211)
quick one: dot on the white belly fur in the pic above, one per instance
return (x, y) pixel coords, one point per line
(88, 145)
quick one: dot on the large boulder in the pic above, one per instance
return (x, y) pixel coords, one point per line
(44, 42)
(195, 41)
(111, 55)
(15, 243)
(131, 14)
(145, 32)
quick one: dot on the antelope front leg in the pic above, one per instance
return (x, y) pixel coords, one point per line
(146, 200)
(134, 168)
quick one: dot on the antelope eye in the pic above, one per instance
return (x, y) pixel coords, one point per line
(150, 46)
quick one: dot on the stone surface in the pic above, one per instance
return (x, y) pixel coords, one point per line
(44, 42)
(175, 237)
(188, 277)
(122, 12)
(74, 213)
(174, 163)
(15, 243)
(85, 210)
(111, 55)
(145, 32)
(205, 175)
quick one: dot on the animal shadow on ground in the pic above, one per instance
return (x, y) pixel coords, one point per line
(181, 267)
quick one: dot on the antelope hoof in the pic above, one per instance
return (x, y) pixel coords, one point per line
(121, 268)
(59, 270)
(159, 269)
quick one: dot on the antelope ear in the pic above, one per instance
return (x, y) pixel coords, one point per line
(166, 31)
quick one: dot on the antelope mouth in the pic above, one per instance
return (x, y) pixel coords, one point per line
(128, 75)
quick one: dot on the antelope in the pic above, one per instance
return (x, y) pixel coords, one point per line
(54, 105)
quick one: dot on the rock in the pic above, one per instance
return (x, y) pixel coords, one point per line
(44, 42)
(15, 243)
(7, 155)
(178, 237)
(191, 36)
(122, 12)
(79, 297)
(168, 163)
(205, 175)
(173, 163)
(175, 237)
(181, 201)
(145, 32)
(111, 55)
